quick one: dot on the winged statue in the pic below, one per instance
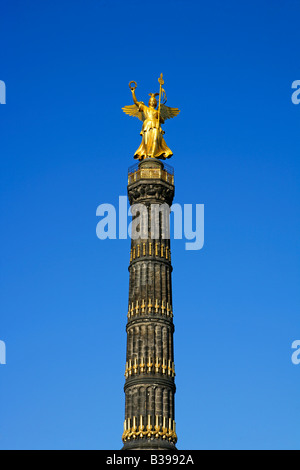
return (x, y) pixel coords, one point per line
(153, 144)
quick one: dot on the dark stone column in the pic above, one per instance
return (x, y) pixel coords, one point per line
(150, 371)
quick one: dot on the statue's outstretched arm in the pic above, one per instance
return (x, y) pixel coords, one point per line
(136, 109)
(132, 86)
(134, 97)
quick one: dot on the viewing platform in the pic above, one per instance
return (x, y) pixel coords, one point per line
(150, 169)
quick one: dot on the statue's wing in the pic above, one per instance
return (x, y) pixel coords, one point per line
(167, 112)
(133, 110)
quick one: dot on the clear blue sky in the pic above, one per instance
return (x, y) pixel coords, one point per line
(65, 147)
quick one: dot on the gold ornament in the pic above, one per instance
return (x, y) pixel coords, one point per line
(153, 144)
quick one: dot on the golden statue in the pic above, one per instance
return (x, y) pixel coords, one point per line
(153, 144)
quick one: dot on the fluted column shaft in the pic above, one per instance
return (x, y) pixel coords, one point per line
(150, 369)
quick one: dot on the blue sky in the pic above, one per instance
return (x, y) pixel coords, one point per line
(65, 148)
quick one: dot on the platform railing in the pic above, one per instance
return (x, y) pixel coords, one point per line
(135, 173)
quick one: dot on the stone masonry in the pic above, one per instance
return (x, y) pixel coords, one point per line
(150, 370)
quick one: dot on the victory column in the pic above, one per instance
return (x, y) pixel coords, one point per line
(150, 369)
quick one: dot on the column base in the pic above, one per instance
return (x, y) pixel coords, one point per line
(149, 444)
